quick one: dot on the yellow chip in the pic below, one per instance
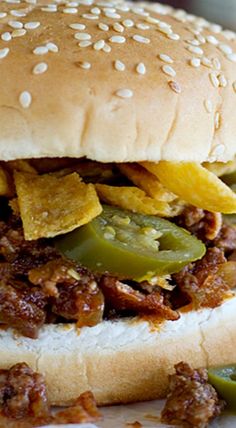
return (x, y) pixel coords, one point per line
(134, 199)
(21, 165)
(51, 206)
(13, 203)
(195, 184)
(221, 168)
(146, 181)
(6, 183)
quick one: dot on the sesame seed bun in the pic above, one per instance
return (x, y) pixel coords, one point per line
(115, 83)
(123, 361)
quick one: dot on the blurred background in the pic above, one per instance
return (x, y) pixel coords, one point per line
(220, 11)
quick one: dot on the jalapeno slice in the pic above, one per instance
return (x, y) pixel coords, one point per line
(131, 245)
(224, 381)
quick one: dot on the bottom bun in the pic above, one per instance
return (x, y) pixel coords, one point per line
(126, 360)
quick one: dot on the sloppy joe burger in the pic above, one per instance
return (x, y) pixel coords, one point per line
(117, 148)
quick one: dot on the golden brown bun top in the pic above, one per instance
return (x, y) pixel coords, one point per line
(115, 82)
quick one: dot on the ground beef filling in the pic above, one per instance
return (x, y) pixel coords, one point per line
(192, 401)
(38, 285)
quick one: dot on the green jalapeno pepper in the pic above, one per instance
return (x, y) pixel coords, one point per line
(224, 381)
(131, 245)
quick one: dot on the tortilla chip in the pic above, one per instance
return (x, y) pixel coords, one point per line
(13, 203)
(51, 206)
(21, 165)
(6, 183)
(133, 199)
(146, 181)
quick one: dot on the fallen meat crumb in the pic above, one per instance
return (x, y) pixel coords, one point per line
(192, 401)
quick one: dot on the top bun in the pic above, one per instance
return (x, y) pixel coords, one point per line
(115, 81)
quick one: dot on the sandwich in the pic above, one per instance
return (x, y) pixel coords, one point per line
(118, 239)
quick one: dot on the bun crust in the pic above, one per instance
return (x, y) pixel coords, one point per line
(123, 361)
(73, 108)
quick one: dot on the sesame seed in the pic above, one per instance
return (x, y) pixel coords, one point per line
(103, 27)
(152, 20)
(234, 86)
(173, 36)
(109, 9)
(3, 15)
(6, 37)
(49, 9)
(193, 42)
(40, 50)
(167, 69)
(84, 44)
(17, 13)
(195, 62)
(206, 62)
(112, 15)
(195, 49)
(82, 36)
(106, 48)
(128, 23)
(141, 69)
(4, 52)
(215, 28)
(226, 49)
(175, 86)
(95, 11)
(212, 40)
(208, 106)
(40, 68)
(52, 47)
(166, 58)
(122, 7)
(25, 99)
(216, 63)
(201, 38)
(119, 66)
(85, 65)
(141, 39)
(166, 30)
(118, 27)
(89, 16)
(15, 24)
(70, 10)
(214, 80)
(32, 25)
(231, 57)
(124, 93)
(142, 26)
(18, 33)
(223, 81)
(217, 120)
(99, 45)
(77, 26)
(117, 39)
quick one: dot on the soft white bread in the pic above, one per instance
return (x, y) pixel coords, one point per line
(126, 360)
(71, 105)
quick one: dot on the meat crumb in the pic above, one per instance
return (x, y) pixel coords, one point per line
(192, 401)
(24, 402)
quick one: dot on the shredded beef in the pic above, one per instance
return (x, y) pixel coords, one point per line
(192, 401)
(122, 297)
(200, 282)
